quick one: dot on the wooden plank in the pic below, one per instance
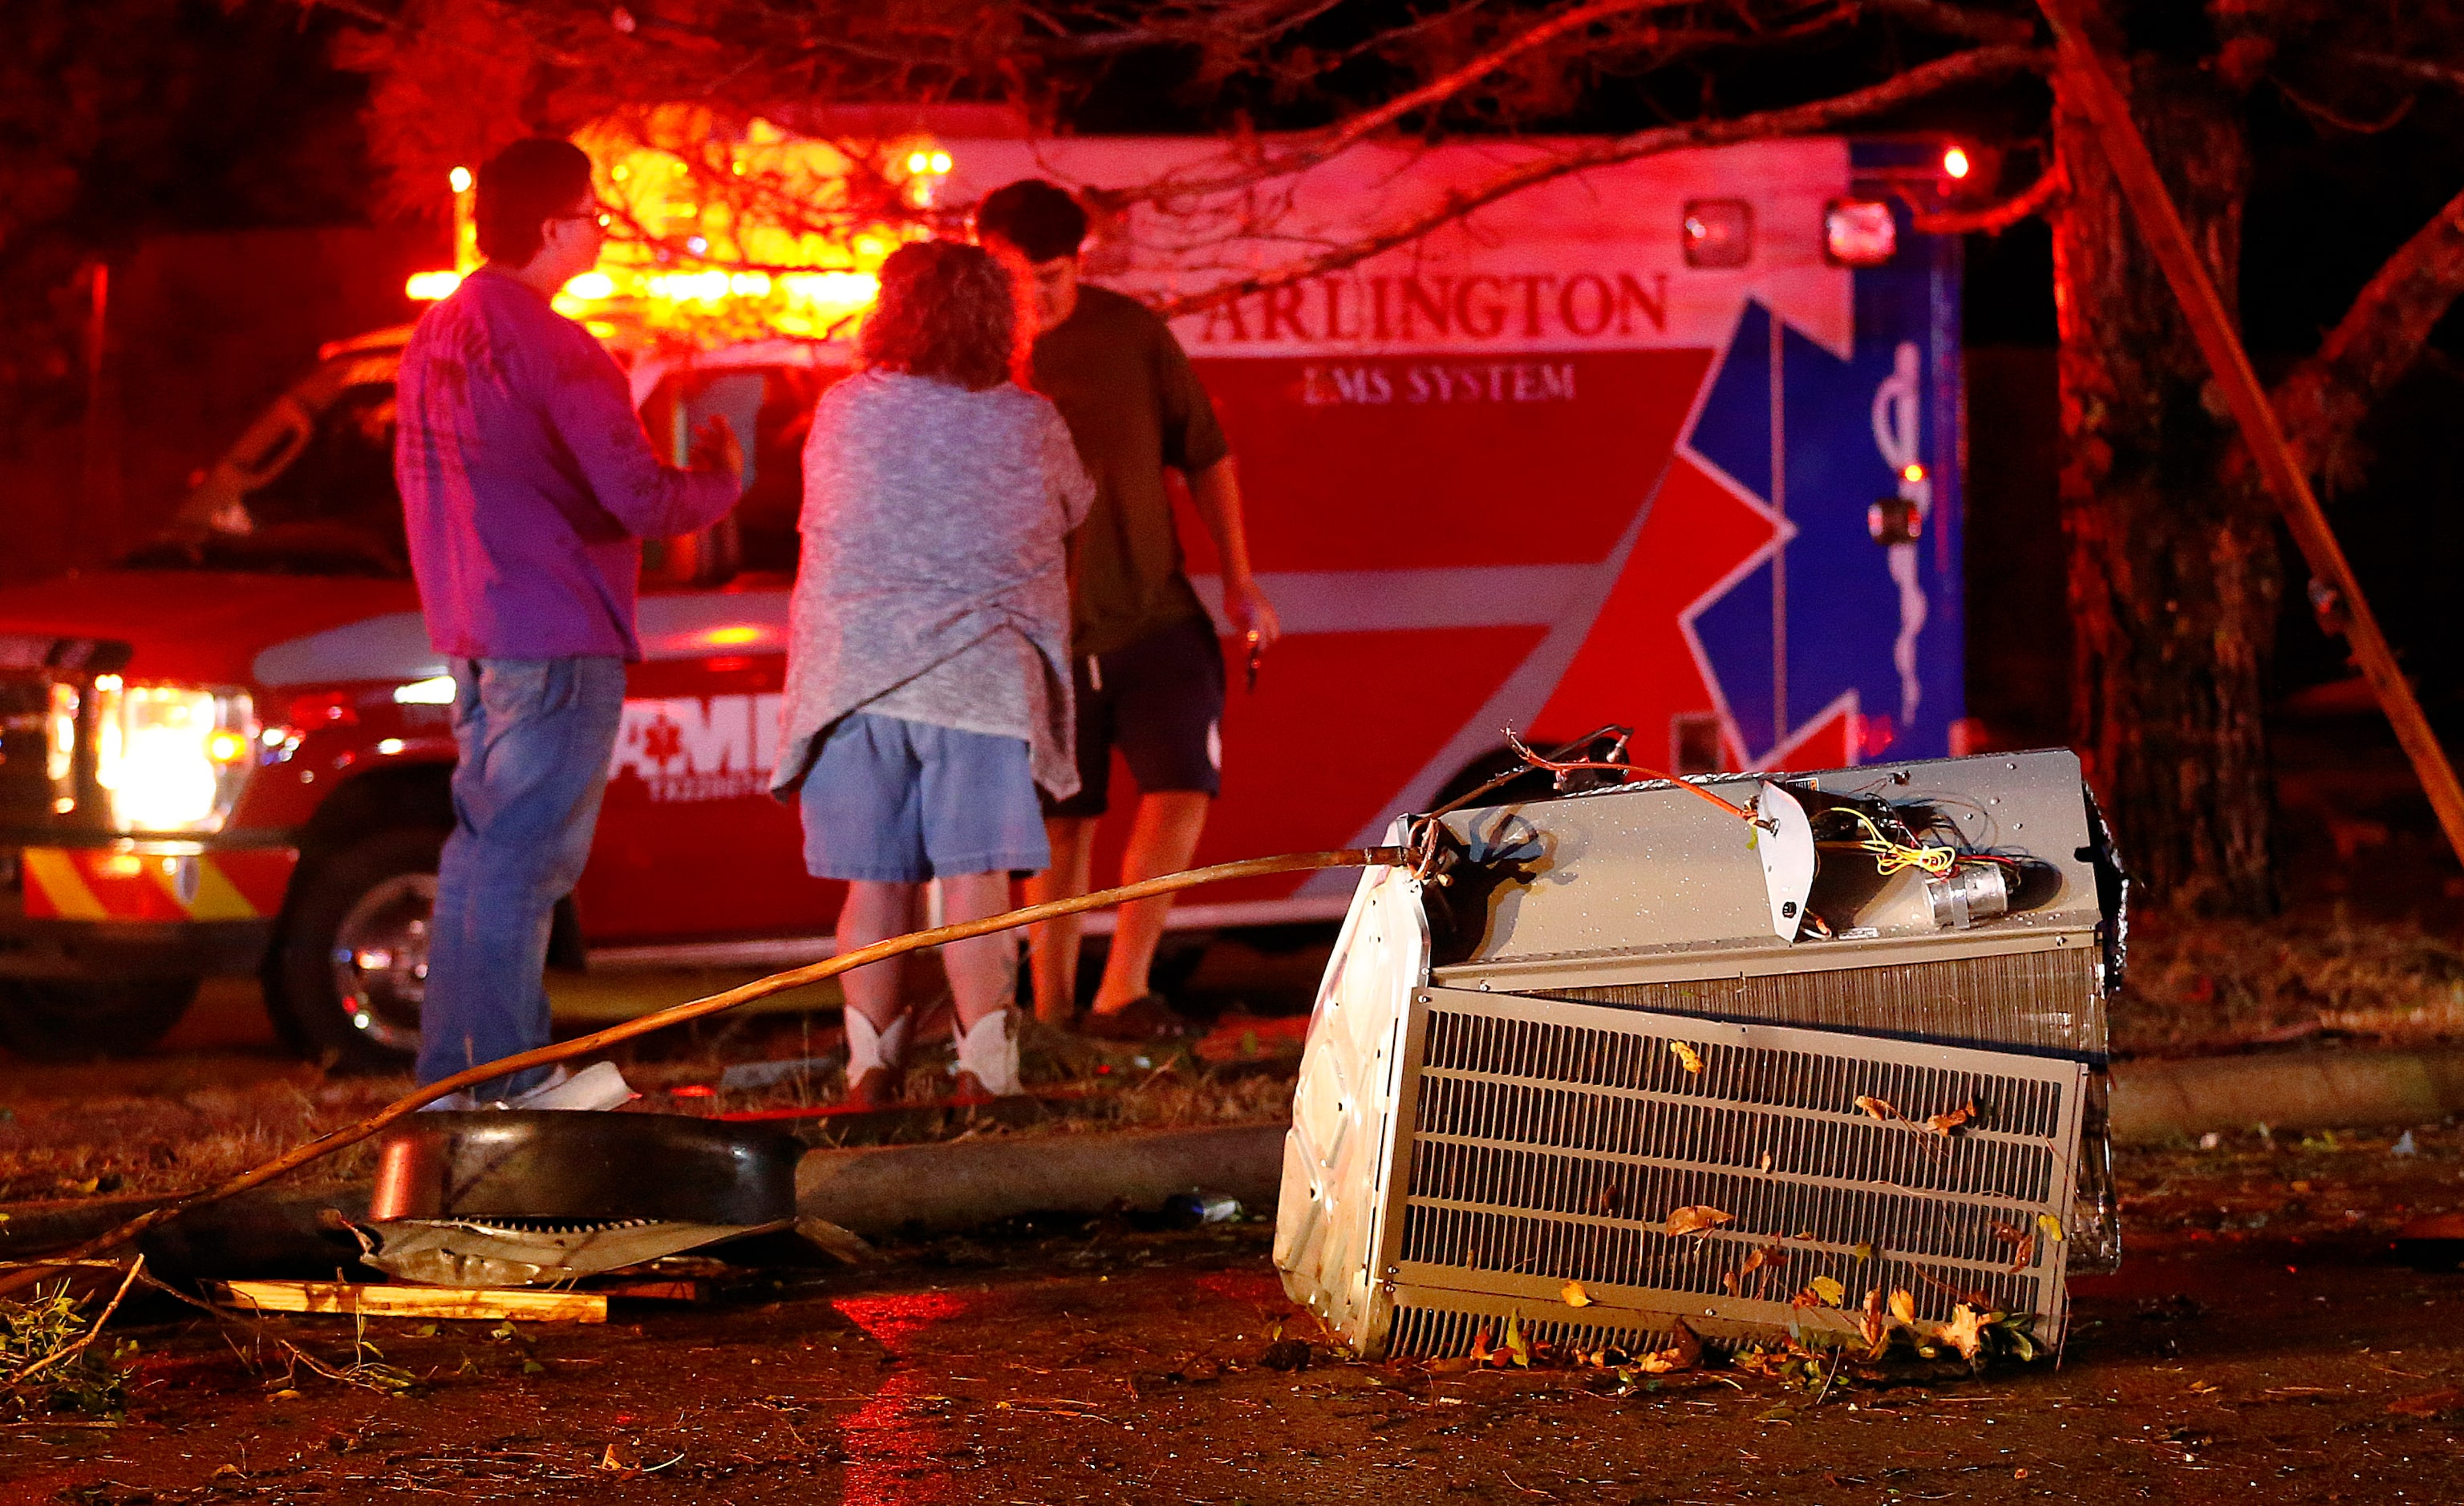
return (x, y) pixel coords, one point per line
(653, 1291)
(382, 1300)
(2160, 221)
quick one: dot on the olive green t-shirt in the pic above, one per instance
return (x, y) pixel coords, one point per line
(1125, 387)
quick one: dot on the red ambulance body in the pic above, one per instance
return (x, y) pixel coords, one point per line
(1671, 445)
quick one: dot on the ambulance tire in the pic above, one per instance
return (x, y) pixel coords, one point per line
(374, 889)
(45, 1021)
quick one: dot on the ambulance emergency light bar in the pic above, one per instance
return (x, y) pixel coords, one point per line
(796, 252)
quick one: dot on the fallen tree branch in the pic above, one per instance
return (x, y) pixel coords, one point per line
(325, 1145)
(70, 1351)
(1951, 21)
(1996, 218)
(1322, 145)
(2322, 401)
(1822, 115)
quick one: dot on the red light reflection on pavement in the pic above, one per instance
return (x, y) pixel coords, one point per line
(1242, 1286)
(888, 1447)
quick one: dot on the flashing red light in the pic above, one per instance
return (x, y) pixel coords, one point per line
(1955, 163)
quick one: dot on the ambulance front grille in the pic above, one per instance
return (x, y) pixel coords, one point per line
(25, 747)
(1552, 1149)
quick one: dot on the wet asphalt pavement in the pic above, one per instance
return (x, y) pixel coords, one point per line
(2260, 1343)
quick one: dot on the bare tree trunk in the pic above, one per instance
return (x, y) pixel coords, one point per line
(2173, 571)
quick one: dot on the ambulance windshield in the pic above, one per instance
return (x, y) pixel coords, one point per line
(307, 491)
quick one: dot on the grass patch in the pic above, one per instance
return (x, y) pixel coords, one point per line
(2217, 985)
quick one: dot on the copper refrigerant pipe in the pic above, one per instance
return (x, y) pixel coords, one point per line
(327, 1144)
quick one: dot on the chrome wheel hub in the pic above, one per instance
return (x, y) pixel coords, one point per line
(381, 960)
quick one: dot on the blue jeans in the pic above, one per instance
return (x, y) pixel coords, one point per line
(535, 736)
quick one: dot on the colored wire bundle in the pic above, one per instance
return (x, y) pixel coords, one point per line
(1890, 856)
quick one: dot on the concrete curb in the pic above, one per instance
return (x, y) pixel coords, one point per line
(266, 1232)
(33, 1228)
(957, 1184)
(950, 1185)
(2162, 1100)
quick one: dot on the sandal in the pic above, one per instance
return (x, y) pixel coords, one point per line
(1144, 1018)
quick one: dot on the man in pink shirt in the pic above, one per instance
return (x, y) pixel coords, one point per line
(527, 486)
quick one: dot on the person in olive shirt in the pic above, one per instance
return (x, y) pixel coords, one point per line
(1148, 668)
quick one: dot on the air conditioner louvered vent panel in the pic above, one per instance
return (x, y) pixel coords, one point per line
(2046, 1000)
(1548, 1141)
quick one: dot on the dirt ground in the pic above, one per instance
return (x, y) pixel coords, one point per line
(2260, 1343)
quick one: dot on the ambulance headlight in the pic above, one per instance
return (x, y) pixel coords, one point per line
(171, 757)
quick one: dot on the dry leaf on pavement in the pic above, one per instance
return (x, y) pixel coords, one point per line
(1574, 1295)
(1693, 1219)
(1831, 1292)
(1874, 1324)
(2428, 1404)
(2052, 1226)
(1686, 1053)
(1879, 1108)
(1684, 1353)
(1963, 1332)
(1903, 1305)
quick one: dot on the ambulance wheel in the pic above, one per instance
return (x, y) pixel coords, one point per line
(346, 978)
(45, 1021)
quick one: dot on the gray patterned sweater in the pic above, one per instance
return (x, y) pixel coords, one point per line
(931, 584)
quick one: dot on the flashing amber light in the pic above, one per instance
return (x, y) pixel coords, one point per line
(1955, 163)
(684, 266)
(427, 287)
(940, 162)
(460, 179)
(225, 746)
(1912, 472)
(733, 634)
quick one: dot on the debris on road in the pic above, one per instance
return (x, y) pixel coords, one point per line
(389, 1300)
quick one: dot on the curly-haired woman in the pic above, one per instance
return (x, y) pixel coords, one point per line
(928, 669)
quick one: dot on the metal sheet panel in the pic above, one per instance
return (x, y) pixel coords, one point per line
(1652, 882)
(1339, 1155)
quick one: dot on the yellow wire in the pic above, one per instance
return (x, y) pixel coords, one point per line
(1890, 857)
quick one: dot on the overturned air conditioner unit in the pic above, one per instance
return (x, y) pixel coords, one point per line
(1859, 1012)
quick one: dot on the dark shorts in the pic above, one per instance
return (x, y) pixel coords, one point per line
(1160, 702)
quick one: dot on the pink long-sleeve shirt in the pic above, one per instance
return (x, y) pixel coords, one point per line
(527, 481)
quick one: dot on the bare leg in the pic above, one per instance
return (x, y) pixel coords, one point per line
(1054, 945)
(982, 976)
(875, 910)
(1162, 840)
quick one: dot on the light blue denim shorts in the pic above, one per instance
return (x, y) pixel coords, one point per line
(900, 802)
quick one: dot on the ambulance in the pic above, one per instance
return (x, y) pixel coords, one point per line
(1670, 445)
